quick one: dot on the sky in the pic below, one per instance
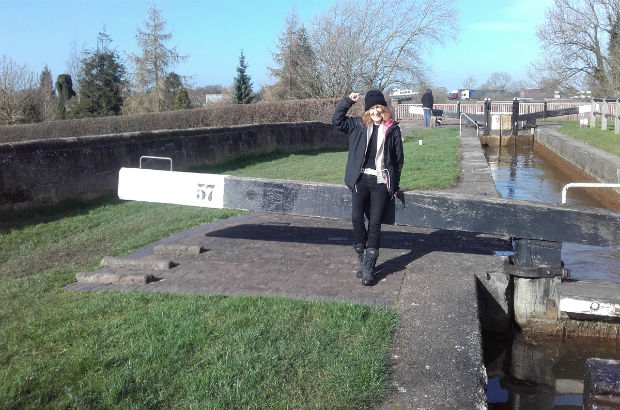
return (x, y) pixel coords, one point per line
(495, 36)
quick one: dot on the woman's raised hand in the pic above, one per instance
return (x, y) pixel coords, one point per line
(354, 96)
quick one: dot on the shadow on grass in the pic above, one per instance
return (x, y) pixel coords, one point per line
(254, 159)
(19, 219)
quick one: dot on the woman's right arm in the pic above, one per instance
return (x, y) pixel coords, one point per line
(340, 119)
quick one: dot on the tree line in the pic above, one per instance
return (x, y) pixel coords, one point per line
(101, 85)
(351, 46)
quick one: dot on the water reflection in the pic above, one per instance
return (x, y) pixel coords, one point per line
(520, 173)
(545, 374)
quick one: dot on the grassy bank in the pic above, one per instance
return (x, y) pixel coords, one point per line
(62, 349)
(606, 140)
(434, 164)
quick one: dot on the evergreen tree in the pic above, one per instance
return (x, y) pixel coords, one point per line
(102, 82)
(64, 88)
(46, 94)
(172, 85)
(243, 84)
(152, 65)
(181, 100)
(297, 72)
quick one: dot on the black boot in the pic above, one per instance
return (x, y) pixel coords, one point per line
(368, 266)
(359, 248)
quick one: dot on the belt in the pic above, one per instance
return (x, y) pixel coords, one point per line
(369, 171)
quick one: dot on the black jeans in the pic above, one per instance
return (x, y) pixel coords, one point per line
(370, 198)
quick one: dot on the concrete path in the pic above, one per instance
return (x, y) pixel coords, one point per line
(427, 275)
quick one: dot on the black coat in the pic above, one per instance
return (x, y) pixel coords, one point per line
(393, 157)
(427, 100)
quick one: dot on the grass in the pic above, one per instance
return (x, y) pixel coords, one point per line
(435, 163)
(606, 140)
(78, 236)
(158, 351)
(61, 349)
(432, 165)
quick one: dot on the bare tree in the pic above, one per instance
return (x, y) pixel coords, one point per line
(15, 82)
(335, 36)
(469, 82)
(580, 40)
(497, 81)
(151, 67)
(378, 44)
(74, 66)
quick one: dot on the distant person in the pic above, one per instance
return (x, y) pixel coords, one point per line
(427, 106)
(372, 173)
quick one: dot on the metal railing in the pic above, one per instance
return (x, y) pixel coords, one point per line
(150, 157)
(585, 185)
(461, 123)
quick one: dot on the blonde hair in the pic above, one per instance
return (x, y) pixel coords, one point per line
(386, 114)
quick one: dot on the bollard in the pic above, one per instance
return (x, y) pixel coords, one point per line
(515, 117)
(487, 117)
(536, 268)
(601, 386)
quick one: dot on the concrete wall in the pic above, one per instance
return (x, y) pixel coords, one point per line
(46, 172)
(602, 165)
(595, 164)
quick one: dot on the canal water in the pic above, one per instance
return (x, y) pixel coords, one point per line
(545, 374)
(520, 173)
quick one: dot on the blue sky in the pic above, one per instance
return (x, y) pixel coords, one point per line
(496, 36)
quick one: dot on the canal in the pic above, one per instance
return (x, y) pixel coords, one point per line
(545, 373)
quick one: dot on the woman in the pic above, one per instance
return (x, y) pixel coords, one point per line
(373, 171)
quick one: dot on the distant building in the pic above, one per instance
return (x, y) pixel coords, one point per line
(533, 93)
(214, 98)
(583, 95)
(399, 95)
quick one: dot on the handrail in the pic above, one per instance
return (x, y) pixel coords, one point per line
(150, 157)
(585, 185)
(461, 124)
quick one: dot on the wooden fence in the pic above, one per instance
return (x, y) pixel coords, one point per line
(522, 112)
(410, 112)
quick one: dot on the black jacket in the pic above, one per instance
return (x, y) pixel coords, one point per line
(393, 157)
(427, 100)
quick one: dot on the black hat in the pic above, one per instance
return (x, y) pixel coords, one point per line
(372, 98)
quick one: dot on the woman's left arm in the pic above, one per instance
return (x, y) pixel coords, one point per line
(399, 158)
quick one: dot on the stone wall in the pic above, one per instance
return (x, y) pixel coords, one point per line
(45, 172)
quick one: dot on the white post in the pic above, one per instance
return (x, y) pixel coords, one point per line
(592, 123)
(605, 110)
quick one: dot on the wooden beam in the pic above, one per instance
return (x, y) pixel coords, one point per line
(549, 114)
(509, 217)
